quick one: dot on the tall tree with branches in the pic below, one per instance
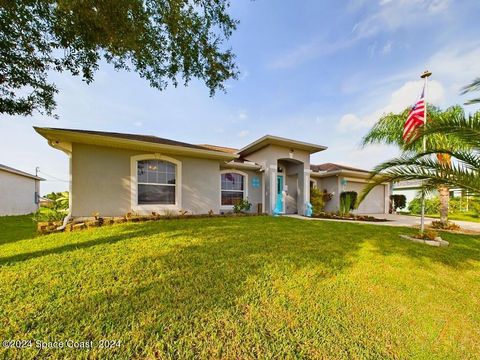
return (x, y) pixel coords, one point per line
(389, 130)
(164, 41)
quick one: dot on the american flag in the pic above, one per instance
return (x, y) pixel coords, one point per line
(415, 118)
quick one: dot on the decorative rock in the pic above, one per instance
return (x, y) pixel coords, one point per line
(93, 223)
(79, 226)
(437, 242)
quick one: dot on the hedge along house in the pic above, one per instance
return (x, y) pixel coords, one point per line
(114, 173)
(335, 179)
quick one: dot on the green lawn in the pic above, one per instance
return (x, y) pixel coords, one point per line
(461, 216)
(237, 288)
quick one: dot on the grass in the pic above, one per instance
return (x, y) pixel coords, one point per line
(460, 216)
(241, 288)
(14, 228)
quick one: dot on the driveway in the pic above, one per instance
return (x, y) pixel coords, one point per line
(401, 220)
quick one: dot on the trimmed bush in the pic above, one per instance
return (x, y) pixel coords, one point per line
(317, 200)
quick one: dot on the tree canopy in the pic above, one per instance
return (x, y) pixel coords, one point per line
(164, 41)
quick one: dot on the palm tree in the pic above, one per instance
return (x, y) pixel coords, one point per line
(473, 86)
(462, 171)
(389, 130)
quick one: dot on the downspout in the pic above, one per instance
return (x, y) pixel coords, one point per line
(67, 218)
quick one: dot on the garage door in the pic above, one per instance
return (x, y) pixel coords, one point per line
(374, 203)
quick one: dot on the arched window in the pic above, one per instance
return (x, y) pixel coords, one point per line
(233, 188)
(156, 182)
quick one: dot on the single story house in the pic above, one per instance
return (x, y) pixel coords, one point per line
(116, 173)
(335, 179)
(19, 191)
(412, 189)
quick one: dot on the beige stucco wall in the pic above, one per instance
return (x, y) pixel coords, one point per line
(101, 182)
(17, 194)
(269, 157)
(331, 184)
(379, 195)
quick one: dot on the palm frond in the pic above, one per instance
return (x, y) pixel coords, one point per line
(462, 132)
(407, 167)
(387, 130)
(473, 86)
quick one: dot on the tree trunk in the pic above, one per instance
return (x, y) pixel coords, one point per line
(444, 194)
(443, 191)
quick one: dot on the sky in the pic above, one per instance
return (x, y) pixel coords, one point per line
(316, 71)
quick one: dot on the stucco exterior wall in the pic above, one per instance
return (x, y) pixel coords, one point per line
(377, 199)
(17, 194)
(269, 158)
(331, 184)
(101, 182)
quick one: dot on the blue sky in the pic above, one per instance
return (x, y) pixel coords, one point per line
(317, 71)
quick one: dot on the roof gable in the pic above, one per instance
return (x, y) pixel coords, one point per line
(276, 140)
(19, 172)
(330, 167)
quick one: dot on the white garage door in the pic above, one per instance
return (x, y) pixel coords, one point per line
(374, 203)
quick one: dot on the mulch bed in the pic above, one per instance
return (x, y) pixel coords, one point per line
(82, 223)
(351, 217)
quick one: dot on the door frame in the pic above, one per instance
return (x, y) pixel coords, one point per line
(281, 176)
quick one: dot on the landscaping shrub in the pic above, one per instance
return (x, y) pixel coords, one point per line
(56, 211)
(347, 201)
(432, 205)
(317, 200)
(399, 201)
(456, 204)
(445, 226)
(474, 206)
(242, 206)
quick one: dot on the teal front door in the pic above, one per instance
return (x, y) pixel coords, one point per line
(279, 204)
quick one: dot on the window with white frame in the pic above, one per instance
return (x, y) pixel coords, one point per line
(232, 188)
(156, 181)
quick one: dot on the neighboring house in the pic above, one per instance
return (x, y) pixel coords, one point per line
(335, 179)
(412, 189)
(116, 173)
(19, 191)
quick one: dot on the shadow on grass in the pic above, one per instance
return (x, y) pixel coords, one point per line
(463, 249)
(69, 247)
(16, 228)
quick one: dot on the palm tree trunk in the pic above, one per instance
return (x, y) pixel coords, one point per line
(443, 191)
(444, 194)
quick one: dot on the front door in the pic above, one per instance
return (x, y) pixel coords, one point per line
(279, 205)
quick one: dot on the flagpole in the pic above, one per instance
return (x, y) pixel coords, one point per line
(425, 76)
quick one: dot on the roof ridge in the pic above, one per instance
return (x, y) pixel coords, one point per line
(19, 172)
(138, 137)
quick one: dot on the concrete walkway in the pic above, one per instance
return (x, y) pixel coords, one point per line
(398, 220)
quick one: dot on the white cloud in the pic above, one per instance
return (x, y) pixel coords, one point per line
(242, 114)
(138, 123)
(349, 121)
(456, 65)
(243, 133)
(387, 48)
(311, 50)
(392, 15)
(400, 99)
